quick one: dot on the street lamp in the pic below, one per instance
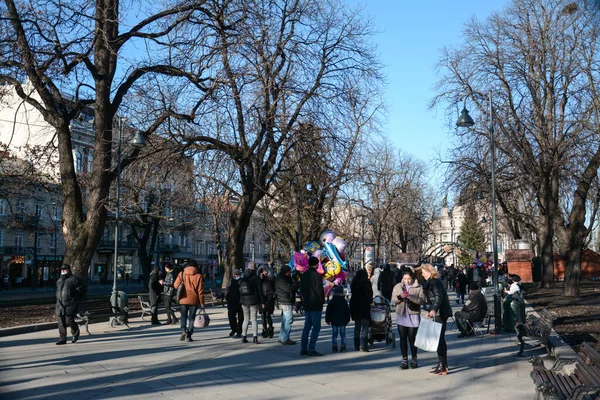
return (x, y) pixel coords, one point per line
(137, 142)
(465, 121)
(38, 214)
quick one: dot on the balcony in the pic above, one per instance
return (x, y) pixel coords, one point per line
(169, 248)
(108, 246)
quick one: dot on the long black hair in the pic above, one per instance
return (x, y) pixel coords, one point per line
(360, 278)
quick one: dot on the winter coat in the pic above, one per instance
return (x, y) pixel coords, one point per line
(286, 288)
(168, 282)
(233, 296)
(337, 312)
(375, 282)
(416, 298)
(460, 283)
(437, 298)
(154, 287)
(256, 297)
(451, 274)
(69, 290)
(360, 302)
(268, 290)
(386, 282)
(311, 290)
(476, 306)
(194, 286)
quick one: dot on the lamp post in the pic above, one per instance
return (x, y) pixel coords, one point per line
(362, 249)
(137, 142)
(38, 214)
(465, 121)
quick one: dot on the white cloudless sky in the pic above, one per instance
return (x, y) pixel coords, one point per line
(412, 33)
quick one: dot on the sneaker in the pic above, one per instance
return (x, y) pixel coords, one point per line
(364, 350)
(289, 342)
(404, 364)
(414, 363)
(182, 338)
(314, 353)
(75, 337)
(303, 352)
(61, 342)
(239, 335)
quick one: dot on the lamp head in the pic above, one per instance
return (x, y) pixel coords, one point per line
(138, 141)
(465, 120)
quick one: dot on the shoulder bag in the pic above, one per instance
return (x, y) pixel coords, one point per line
(181, 289)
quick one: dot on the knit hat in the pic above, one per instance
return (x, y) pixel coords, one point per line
(338, 290)
(237, 272)
(474, 286)
(251, 266)
(313, 261)
(65, 266)
(285, 269)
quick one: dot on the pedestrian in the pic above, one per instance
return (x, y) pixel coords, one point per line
(234, 307)
(386, 282)
(169, 292)
(313, 298)
(251, 297)
(460, 283)
(444, 276)
(437, 306)
(337, 315)
(408, 296)
(127, 279)
(286, 288)
(375, 281)
(193, 297)
(360, 308)
(69, 291)
(155, 289)
(451, 278)
(268, 306)
(474, 310)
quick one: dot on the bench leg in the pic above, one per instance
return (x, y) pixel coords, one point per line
(520, 335)
(86, 327)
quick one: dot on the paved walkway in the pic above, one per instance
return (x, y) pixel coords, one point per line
(149, 362)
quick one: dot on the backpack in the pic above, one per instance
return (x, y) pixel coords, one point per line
(245, 287)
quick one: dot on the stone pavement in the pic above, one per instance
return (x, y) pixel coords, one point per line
(149, 362)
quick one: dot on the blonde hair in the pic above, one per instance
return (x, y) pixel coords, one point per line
(431, 269)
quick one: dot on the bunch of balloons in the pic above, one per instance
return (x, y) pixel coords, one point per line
(330, 251)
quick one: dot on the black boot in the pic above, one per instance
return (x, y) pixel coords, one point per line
(271, 332)
(356, 344)
(334, 348)
(255, 340)
(343, 349)
(183, 335)
(264, 333)
(189, 337)
(363, 345)
(244, 339)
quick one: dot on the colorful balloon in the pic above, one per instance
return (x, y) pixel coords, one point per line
(339, 244)
(334, 256)
(319, 254)
(300, 261)
(312, 246)
(327, 286)
(327, 237)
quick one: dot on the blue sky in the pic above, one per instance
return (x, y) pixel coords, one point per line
(412, 34)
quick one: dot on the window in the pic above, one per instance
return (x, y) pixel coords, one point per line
(52, 240)
(38, 210)
(78, 160)
(90, 162)
(55, 213)
(1, 238)
(18, 239)
(2, 206)
(20, 207)
(38, 244)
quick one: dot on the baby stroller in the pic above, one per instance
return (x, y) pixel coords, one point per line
(381, 326)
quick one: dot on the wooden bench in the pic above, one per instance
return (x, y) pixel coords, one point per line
(577, 379)
(536, 327)
(216, 296)
(100, 310)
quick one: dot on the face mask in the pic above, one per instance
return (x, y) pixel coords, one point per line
(236, 278)
(64, 272)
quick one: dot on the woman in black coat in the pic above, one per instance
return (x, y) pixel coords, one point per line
(268, 307)
(155, 289)
(360, 308)
(461, 282)
(438, 307)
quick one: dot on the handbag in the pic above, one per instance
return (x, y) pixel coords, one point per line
(181, 289)
(428, 334)
(202, 320)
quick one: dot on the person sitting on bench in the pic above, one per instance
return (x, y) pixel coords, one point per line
(474, 309)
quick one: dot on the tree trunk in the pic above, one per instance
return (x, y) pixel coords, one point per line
(546, 233)
(573, 269)
(238, 226)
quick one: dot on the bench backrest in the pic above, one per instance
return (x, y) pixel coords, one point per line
(588, 365)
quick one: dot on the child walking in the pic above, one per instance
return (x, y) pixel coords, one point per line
(338, 316)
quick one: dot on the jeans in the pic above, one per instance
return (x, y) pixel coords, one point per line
(334, 334)
(250, 314)
(361, 332)
(168, 309)
(407, 334)
(186, 320)
(312, 320)
(286, 322)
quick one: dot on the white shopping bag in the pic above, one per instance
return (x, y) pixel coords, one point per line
(428, 334)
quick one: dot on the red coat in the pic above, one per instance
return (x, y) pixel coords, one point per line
(194, 287)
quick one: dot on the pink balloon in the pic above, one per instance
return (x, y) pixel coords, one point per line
(339, 244)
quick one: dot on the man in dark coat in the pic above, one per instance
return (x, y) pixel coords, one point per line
(474, 309)
(386, 283)
(286, 288)
(155, 289)
(313, 298)
(234, 307)
(169, 292)
(69, 290)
